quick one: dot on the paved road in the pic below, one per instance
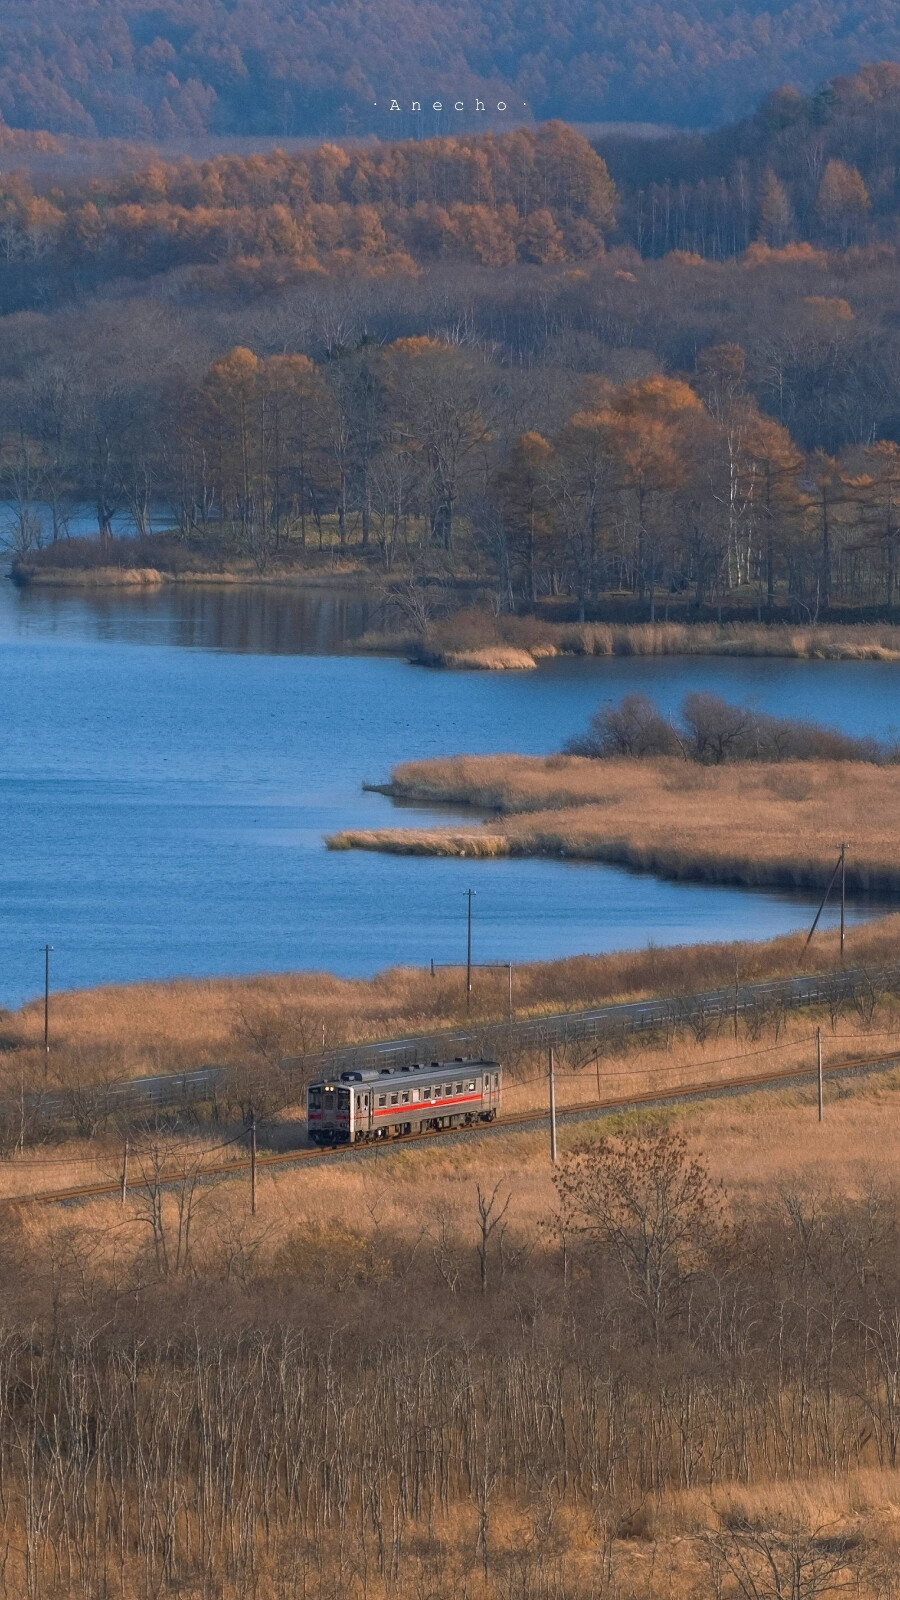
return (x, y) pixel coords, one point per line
(596, 1024)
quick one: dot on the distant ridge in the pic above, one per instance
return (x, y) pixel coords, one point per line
(159, 70)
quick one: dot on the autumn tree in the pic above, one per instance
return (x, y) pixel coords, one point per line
(439, 398)
(649, 428)
(775, 215)
(525, 495)
(843, 201)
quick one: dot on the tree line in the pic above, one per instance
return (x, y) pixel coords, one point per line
(182, 68)
(818, 168)
(426, 454)
(711, 731)
(803, 174)
(538, 196)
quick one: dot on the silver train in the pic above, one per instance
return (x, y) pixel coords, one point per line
(373, 1104)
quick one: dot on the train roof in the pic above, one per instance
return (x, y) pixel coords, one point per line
(421, 1070)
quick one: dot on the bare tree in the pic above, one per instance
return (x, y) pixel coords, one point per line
(490, 1219)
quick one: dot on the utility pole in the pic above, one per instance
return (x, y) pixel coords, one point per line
(552, 1111)
(819, 1071)
(125, 1171)
(253, 1163)
(469, 893)
(509, 964)
(843, 892)
(47, 949)
(838, 868)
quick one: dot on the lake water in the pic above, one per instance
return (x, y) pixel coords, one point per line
(170, 762)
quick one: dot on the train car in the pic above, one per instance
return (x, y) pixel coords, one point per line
(387, 1103)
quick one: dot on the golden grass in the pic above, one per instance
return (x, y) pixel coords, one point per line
(492, 658)
(757, 1144)
(759, 824)
(478, 639)
(129, 1029)
(354, 1213)
(97, 577)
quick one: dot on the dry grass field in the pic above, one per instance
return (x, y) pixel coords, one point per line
(719, 1051)
(359, 1235)
(759, 824)
(130, 1029)
(418, 1371)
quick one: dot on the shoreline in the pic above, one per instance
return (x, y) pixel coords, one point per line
(157, 578)
(661, 816)
(474, 640)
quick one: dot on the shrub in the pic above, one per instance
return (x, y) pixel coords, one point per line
(633, 728)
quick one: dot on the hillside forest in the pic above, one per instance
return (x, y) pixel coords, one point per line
(169, 69)
(669, 373)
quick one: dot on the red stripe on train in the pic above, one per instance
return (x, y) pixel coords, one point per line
(424, 1105)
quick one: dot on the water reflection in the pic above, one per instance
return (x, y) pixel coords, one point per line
(170, 761)
(259, 619)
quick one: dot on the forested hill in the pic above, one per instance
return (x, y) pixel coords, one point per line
(821, 167)
(168, 69)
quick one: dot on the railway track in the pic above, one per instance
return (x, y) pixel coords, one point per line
(708, 1089)
(596, 1023)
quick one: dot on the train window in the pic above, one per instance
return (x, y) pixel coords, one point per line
(459, 1088)
(394, 1099)
(496, 1080)
(329, 1098)
(471, 1085)
(382, 1099)
(344, 1099)
(315, 1099)
(426, 1094)
(405, 1100)
(448, 1088)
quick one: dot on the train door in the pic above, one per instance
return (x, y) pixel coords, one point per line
(362, 1113)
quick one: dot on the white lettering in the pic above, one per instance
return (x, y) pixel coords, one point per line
(458, 105)
(501, 105)
(395, 105)
(437, 106)
(479, 105)
(417, 105)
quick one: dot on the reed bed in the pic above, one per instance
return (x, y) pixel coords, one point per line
(478, 640)
(756, 824)
(98, 577)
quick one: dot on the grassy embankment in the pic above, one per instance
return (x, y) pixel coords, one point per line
(754, 823)
(128, 1030)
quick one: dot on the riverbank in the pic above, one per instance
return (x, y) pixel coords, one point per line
(756, 824)
(155, 577)
(477, 641)
(444, 619)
